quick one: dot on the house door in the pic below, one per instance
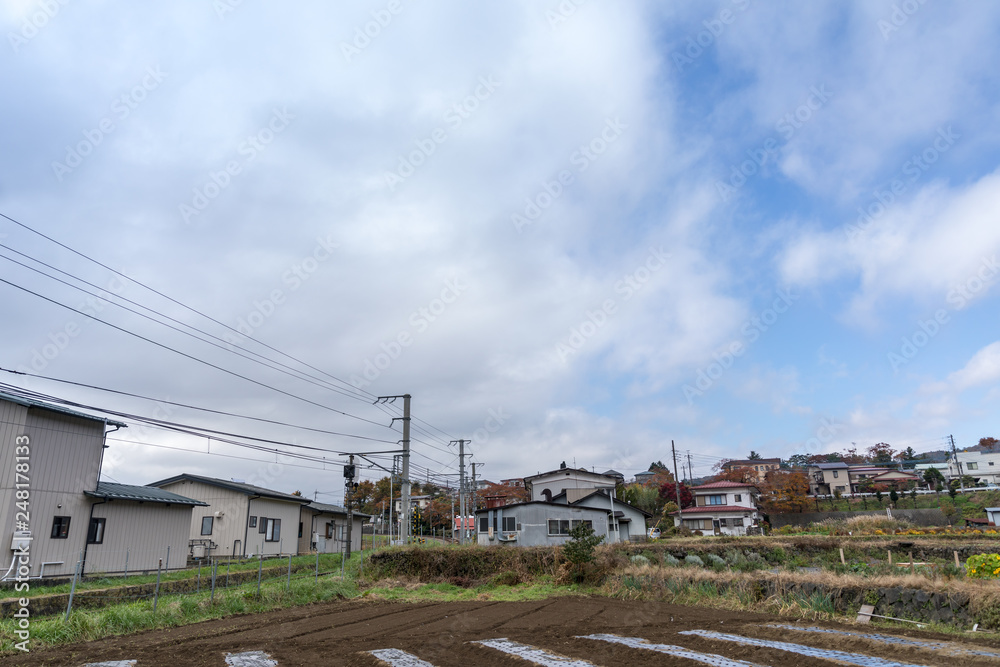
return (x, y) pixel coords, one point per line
(715, 527)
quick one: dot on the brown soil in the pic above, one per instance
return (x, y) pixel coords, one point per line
(338, 633)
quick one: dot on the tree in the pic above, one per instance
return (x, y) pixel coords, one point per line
(785, 491)
(907, 457)
(913, 497)
(754, 456)
(580, 548)
(297, 493)
(740, 474)
(656, 465)
(878, 496)
(646, 498)
(880, 452)
(799, 460)
(989, 444)
(668, 493)
(893, 497)
(851, 456)
(513, 494)
(933, 477)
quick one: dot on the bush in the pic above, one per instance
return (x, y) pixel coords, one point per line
(983, 566)
(694, 560)
(715, 562)
(670, 561)
(640, 560)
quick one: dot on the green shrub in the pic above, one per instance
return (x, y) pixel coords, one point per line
(715, 562)
(670, 561)
(983, 566)
(694, 560)
(640, 560)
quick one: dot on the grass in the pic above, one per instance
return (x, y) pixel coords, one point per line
(101, 582)
(175, 610)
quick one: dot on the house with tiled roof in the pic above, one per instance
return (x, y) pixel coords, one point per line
(721, 508)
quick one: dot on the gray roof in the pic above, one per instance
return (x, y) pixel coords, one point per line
(831, 466)
(241, 487)
(142, 494)
(333, 509)
(32, 403)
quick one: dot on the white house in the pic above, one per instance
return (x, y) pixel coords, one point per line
(323, 528)
(721, 508)
(547, 485)
(983, 467)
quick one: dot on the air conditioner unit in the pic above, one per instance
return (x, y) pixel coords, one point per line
(21, 540)
(218, 514)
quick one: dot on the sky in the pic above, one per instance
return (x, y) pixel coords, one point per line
(572, 231)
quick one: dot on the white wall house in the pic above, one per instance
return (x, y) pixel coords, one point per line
(547, 485)
(721, 508)
(240, 519)
(323, 528)
(983, 467)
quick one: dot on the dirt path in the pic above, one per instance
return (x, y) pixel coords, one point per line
(341, 633)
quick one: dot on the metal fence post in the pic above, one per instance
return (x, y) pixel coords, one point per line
(260, 565)
(156, 591)
(199, 577)
(228, 565)
(342, 552)
(168, 556)
(72, 590)
(126, 563)
(317, 566)
(215, 567)
(288, 584)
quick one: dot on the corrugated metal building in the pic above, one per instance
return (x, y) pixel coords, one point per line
(240, 519)
(323, 528)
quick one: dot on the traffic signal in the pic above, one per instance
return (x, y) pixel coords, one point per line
(349, 472)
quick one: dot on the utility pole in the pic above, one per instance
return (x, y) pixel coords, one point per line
(690, 469)
(404, 496)
(462, 505)
(677, 484)
(958, 465)
(474, 488)
(348, 500)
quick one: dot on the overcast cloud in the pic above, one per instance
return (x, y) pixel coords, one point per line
(572, 231)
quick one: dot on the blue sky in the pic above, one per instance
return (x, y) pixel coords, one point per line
(563, 214)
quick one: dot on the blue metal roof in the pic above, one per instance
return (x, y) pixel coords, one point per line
(142, 494)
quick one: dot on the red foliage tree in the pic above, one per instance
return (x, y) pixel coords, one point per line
(669, 494)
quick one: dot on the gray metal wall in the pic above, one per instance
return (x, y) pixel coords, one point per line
(533, 523)
(142, 531)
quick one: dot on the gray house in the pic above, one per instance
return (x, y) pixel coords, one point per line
(53, 456)
(323, 528)
(239, 519)
(548, 523)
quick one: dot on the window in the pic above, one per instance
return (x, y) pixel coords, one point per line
(836, 474)
(60, 527)
(723, 523)
(577, 522)
(738, 497)
(300, 529)
(262, 525)
(509, 524)
(96, 533)
(484, 524)
(737, 522)
(972, 466)
(558, 526)
(717, 500)
(206, 524)
(698, 524)
(273, 530)
(329, 530)
(253, 522)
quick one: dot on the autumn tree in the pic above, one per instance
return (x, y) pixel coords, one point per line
(989, 444)
(668, 492)
(785, 491)
(740, 474)
(513, 494)
(881, 452)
